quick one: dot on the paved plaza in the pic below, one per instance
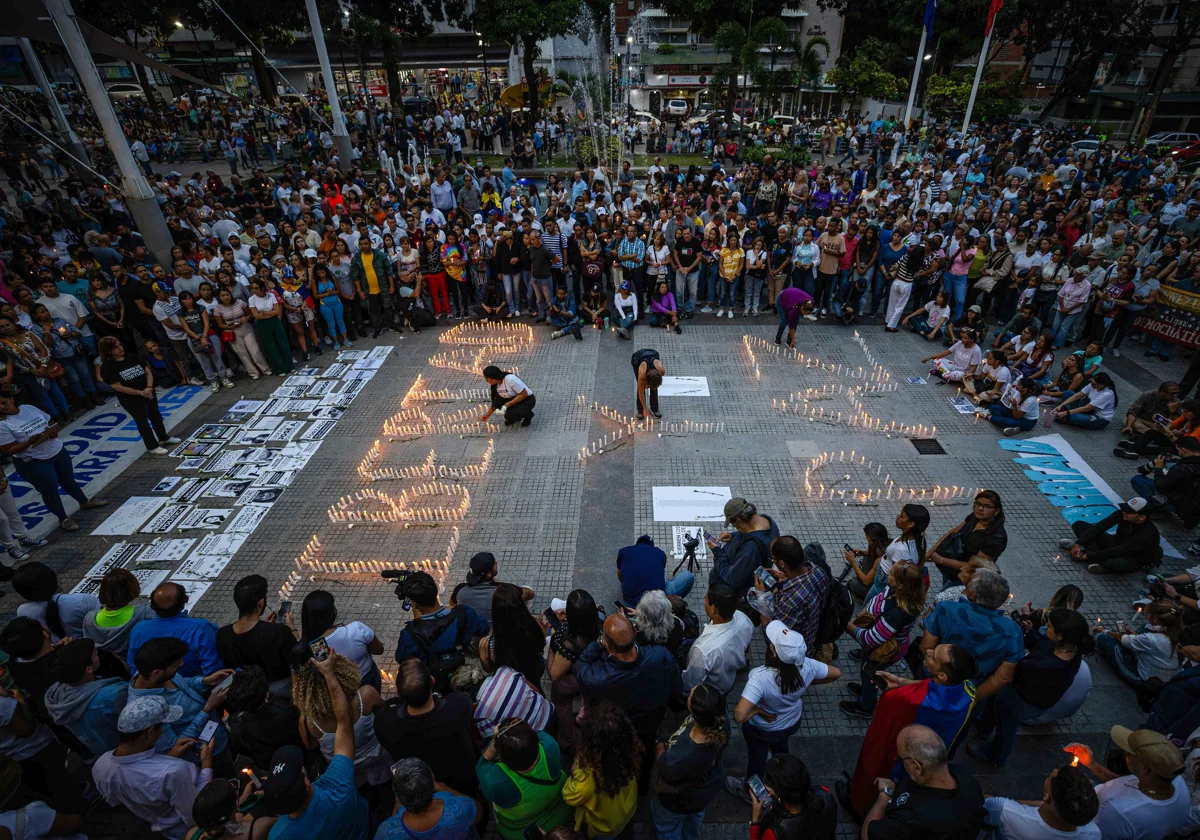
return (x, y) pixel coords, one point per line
(555, 520)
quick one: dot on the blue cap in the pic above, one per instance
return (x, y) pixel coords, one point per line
(160, 286)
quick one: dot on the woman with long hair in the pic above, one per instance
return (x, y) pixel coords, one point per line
(516, 639)
(690, 771)
(108, 311)
(602, 786)
(61, 614)
(310, 694)
(1091, 408)
(980, 533)
(865, 562)
(510, 396)
(1050, 683)
(323, 289)
(234, 319)
(910, 546)
(903, 276)
(205, 346)
(882, 630)
(356, 641)
(1152, 652)
(771, 704)
(577, 627)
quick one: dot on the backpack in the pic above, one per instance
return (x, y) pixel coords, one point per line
(839, 605)
(426, 632)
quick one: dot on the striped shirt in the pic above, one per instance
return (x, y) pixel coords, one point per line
(506, 694)
(556, 244)
(891, 622)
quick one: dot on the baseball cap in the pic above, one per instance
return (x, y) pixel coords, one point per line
(976, 309)
(160, 286)
(789, 644)
(1135, 505)
(284, 788)
(310, 253)
(735, 507)
(481, 565)
(142, 713)
(1156, 752)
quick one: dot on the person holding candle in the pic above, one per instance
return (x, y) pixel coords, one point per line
(510, 396)
(649, 370)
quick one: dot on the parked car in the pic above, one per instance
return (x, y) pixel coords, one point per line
(645, 120)
(744, 108)
(1164, 140)
(676, 108)
(125, 90)
(1086, 146)
(1188, 154)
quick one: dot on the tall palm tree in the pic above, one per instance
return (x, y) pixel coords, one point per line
(806, 54)
(743, 45)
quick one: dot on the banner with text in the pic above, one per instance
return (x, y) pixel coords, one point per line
(1176, 318)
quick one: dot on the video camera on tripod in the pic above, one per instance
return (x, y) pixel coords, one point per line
(400, 576)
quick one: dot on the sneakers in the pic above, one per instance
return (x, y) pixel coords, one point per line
(317, 349)
(851, 708)
(254, 376)
(678, 331)
(720, 313)
(226, 381)
(824, 311)
(18, 553)
(556, 334)
(195, 380)
(730, 314)
(347, 343)
(94, 503)
(1065, 545)
(1097, 569)
(1127, 454)
(810, 317)
(623, 333)
(746, 312)
(69, 524)
(171, 439)
(158, 450)
(1116, 353)
(736, 786)
(34, 542)
(578, 335)
(706, 309)
(328, 341)
(1011, 431)
(754, 312)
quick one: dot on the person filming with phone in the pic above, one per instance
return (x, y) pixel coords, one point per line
(793, 805)
(737, 553)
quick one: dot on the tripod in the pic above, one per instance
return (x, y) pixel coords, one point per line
(689, 556)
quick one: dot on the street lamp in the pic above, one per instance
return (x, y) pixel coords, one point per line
(196, 43)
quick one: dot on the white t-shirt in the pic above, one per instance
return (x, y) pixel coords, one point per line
(1031, 407)
(1105, 401)
(1128, 814)
(935, 314)
(39, 819)
(68, 308)
(351, 641)
(263, 303)
(1000, 374)
(510, 387)
(964, 358)
(762, 689)
(1023, 822)
(898, 550)
(20, 427)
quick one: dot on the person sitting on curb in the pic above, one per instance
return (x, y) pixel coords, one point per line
(1134, 546)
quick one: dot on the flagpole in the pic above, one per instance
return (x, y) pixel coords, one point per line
(987, 43)
(912, 88)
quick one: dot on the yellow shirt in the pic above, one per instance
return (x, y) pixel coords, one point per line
(368, 261)
(600, 813)
(731, 262)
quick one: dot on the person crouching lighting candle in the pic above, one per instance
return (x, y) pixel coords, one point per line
(510, 396)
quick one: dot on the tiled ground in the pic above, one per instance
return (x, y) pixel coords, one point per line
(556, 525)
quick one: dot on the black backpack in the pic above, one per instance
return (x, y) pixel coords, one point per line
(839, 604)
(425, 633)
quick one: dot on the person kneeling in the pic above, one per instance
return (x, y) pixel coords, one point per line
(662, 308)
(561, 316)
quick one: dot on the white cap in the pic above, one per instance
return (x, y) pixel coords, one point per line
(310, 253)
(789, 644)
(1135, 505)
(557, 604)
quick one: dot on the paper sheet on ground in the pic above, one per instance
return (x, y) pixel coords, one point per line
(684, 386)
(681, 533)
(690, 504)
(129, 517)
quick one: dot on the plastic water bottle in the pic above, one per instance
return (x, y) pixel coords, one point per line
(606, 322)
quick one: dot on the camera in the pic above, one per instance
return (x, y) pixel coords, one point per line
(401, 577)
(691, 543)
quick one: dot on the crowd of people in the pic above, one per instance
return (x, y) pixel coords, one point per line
(1006, 245)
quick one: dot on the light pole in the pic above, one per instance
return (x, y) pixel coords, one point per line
(341, 138)
(486, 94)
(200, 55)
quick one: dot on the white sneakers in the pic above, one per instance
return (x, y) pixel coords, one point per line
(158, 450)
(731, 314)
(720, 313)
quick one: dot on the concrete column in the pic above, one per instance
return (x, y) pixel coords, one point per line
(71, 139)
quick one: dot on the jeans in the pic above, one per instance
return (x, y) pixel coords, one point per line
(49, 399)
(1123, 661)
(824, 287)
(759, 742)
(862, 280)
(48, 476)
(1143, 485)
(1002, 416)
(754, 287)
(783, 325)
(512, 291)
(709, 277)
(879, 290)
(681, 584)
(544, 288)
(1162, 349)
(333, 313)
(806, 279)
(671, 826)
(688, 286)
(956, 289)
(1086, 421)
(1064, 325)
(78, 377)
(727, 292)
